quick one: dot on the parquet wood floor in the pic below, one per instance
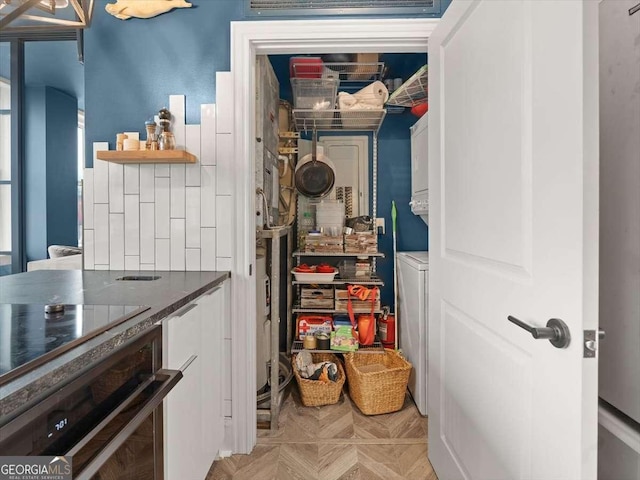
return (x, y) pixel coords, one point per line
(335, 442)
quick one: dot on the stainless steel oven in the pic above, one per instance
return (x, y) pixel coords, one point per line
(109, 419)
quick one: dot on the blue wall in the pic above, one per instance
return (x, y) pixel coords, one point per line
(51, 200)
(394, 183)
(65, 73)
(132, 66)
(54, 64)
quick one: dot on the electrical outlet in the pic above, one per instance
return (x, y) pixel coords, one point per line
(380, 225)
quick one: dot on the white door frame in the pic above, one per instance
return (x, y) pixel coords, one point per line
(248, 39)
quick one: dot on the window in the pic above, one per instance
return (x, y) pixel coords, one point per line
(5, 177)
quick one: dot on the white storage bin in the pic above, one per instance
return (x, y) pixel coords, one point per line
(330, 216)
(314, 93)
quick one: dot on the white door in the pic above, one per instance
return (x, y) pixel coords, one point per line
(513, 152)
(350, 155)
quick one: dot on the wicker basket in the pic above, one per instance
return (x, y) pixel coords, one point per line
(377, 381)
(315, 393)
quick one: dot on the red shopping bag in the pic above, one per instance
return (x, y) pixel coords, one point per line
(365, 333)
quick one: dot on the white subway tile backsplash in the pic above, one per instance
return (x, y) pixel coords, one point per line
(208, 134)
(100, 174)
(147, 183)
(101, 233)
(87, 199)
(164, 216)
(224, 162)
(162, 170)
(178, 254)
(193, 259)
(100, 181)
(224, 226)
(177, 108)
(132, 262)
(224, 102)
(116, 188)
(192, 215)
(208, 249)
(192, 178)
(177, 190)
(116, 241)
(223, 264)
(131, 179)
(208, 196)
(132, 225)
(88, 250)
(147, 233)
(162, 203)
(163, 254)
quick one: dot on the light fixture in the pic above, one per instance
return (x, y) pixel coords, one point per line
(43, 16)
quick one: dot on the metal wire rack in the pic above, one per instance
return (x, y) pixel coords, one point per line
(412, 92)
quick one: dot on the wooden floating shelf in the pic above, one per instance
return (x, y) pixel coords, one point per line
(146, 156)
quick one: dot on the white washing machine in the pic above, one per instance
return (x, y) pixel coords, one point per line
(413, 302)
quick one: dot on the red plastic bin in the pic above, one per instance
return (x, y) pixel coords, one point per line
(305, 67)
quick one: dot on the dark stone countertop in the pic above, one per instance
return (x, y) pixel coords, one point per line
(164, 296)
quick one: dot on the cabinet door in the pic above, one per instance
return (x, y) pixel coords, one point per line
(182, 408)
(419, 146)
(212, 308)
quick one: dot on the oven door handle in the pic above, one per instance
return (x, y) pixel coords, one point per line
(172, 378)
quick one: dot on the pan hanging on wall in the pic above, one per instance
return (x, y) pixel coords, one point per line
(315, 173)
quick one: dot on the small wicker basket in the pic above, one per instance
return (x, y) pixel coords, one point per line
(315, 393)
(377, 381)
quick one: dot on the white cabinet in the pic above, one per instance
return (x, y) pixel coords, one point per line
(419, 168)
(193, 411)
(212, 307)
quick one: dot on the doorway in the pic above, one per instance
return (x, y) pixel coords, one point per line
(249, 39)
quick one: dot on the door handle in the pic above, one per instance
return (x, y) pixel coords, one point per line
(556, 331)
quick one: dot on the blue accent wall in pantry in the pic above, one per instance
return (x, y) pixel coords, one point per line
(394, 183)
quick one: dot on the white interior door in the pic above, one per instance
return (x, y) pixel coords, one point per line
(513, 152)
(350, 155)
